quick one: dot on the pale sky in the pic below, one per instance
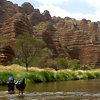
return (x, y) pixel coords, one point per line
(78, 9)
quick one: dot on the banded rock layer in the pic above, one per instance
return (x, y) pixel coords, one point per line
(67, 37)
(83, 39)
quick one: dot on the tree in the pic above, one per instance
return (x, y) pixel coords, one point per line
(41, 59)
(26, 47)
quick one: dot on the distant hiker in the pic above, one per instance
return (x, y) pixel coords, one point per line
(11, 84)
(20, 85)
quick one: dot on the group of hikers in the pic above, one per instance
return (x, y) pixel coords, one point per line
(20, 85)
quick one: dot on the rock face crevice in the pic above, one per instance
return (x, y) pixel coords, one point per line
(66, 37)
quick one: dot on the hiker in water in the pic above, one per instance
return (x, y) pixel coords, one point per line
(20, 85)
(11, 84)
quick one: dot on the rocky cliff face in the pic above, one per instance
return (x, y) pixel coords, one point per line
(67, 37)
(82, 38)
(13, 22)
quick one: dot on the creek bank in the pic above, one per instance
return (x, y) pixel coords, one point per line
(36, 75)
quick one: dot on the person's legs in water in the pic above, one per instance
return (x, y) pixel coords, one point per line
(11, 87)
(20, 91)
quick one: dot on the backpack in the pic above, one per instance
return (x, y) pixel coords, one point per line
(20, 83)
(11, 80)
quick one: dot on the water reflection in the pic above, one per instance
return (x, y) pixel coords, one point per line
(70, 90)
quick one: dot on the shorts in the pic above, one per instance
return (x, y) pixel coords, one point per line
(11, 87)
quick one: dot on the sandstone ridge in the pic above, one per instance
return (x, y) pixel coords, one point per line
(67, 37)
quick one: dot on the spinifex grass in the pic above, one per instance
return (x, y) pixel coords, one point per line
(63, 76)
(90, 75)
(45, 75)
(97, 74)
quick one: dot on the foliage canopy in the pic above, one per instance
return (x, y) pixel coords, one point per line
(26, 47)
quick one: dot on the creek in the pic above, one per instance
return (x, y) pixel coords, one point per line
(65, 90)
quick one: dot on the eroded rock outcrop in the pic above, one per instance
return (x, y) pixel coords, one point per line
(67, 37)
(27, 8)
(35, 18)
(7, 10)
(83, 40)
(47, 15)
(18, 24)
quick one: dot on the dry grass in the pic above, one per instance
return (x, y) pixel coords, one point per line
(16, 67)
(12, 68)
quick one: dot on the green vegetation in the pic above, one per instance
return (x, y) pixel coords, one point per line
(42, 25)
(57, 63)
(69, 50)
(36, 75)
(74, 64)
(4, 77)
(27, 47)
(61, 63)
(30, 51)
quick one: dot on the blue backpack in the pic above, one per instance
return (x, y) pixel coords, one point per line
(11, 80)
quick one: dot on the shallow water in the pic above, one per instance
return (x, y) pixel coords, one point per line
(67, 90)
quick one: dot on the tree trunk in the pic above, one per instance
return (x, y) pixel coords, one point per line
(26, 67)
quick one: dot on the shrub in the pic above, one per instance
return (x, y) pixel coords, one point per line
(42, 76)
(74, 64)
(97, 74)
(66, 75)
(37, 61)
(61, 76)
(48, 75)
(80, 73)
(83, 76)
(74, 76)
(90, 75)
(61, 63)
(50, 63)
(35, 78)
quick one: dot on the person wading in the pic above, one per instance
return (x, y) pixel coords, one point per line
(11, 84)
(20, 85)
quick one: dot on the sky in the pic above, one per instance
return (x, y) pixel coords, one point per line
(78, 9)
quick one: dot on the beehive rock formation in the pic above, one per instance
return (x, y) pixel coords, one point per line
(27, 8)
(84, 41)
(10, 28)
(47, 15)
(35, 18)
(67, 37)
